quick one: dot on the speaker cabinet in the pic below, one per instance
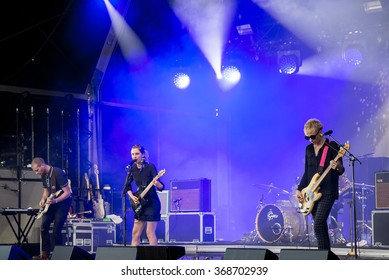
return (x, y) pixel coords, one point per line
(249, 254)
(70, 253)
(13, 252)
(190, 195)
(380, 223)
(140, 253)
(382, 190)
(291, 254)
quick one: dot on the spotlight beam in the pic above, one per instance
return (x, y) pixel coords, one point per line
(208, 22)
(131, 46)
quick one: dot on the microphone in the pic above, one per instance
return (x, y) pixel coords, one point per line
(130, 164)
(329, 132)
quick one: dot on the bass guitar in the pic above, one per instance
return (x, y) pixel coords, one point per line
(100, 210)
(43, 210)
(140, 194)
(311, 192)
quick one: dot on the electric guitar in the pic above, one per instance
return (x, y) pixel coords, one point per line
(90, 194)
(100, 211)
(43, 210)
(311, 192)
(140, 194)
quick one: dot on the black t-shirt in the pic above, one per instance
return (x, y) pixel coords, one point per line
(56, 178)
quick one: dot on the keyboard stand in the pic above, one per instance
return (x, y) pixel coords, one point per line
(21, 233)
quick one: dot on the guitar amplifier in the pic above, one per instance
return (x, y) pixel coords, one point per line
(382, 190)
(190, 195)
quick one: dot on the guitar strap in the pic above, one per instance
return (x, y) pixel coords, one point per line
(323, 157)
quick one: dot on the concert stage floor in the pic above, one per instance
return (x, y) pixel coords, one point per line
(216, 250)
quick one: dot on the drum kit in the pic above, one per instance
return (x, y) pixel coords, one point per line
(280, 222)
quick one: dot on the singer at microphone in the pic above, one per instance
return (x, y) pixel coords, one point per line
(319, 185)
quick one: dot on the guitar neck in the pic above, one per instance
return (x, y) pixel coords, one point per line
(144, 192)
(146, 189)
(97, 183)
(324, 174)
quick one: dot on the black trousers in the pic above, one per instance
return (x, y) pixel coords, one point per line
(320, 212)
(57, 213)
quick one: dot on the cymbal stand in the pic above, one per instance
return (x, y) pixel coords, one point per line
(364, 225)
(253, 235)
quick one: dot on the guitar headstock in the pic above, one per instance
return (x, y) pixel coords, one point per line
(343, 149)
(96, 170)
(161, 173)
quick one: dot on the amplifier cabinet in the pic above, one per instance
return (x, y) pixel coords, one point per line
(380, 223)
(190, 195)
(192, 227)
(382, 190)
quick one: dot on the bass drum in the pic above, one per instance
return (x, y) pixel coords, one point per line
(275, 223)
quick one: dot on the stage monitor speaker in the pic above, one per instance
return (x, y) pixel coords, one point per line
(249, 254)
(140, 253)
(70, 253)
(13, 252)
(292, 254)
(382, 190)
(160, 252)
(116, 253)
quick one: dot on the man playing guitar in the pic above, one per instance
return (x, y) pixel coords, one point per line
(56, 201)
(319, 156)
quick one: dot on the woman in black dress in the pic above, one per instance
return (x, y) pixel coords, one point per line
(147, 209)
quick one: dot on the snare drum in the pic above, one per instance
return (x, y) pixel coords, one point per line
(275, 223)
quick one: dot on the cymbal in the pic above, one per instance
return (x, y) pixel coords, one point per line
(270, 188)
(364, 185)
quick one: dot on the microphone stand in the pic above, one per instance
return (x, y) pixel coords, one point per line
(352, 159)
(124, 203)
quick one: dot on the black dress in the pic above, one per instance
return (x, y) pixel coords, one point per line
(151, 210)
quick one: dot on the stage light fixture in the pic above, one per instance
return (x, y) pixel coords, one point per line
(230, 77)
(353, 54)
(181, 80)
(372, 6)
(288, 61)
(231, 74)
(353, 48)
